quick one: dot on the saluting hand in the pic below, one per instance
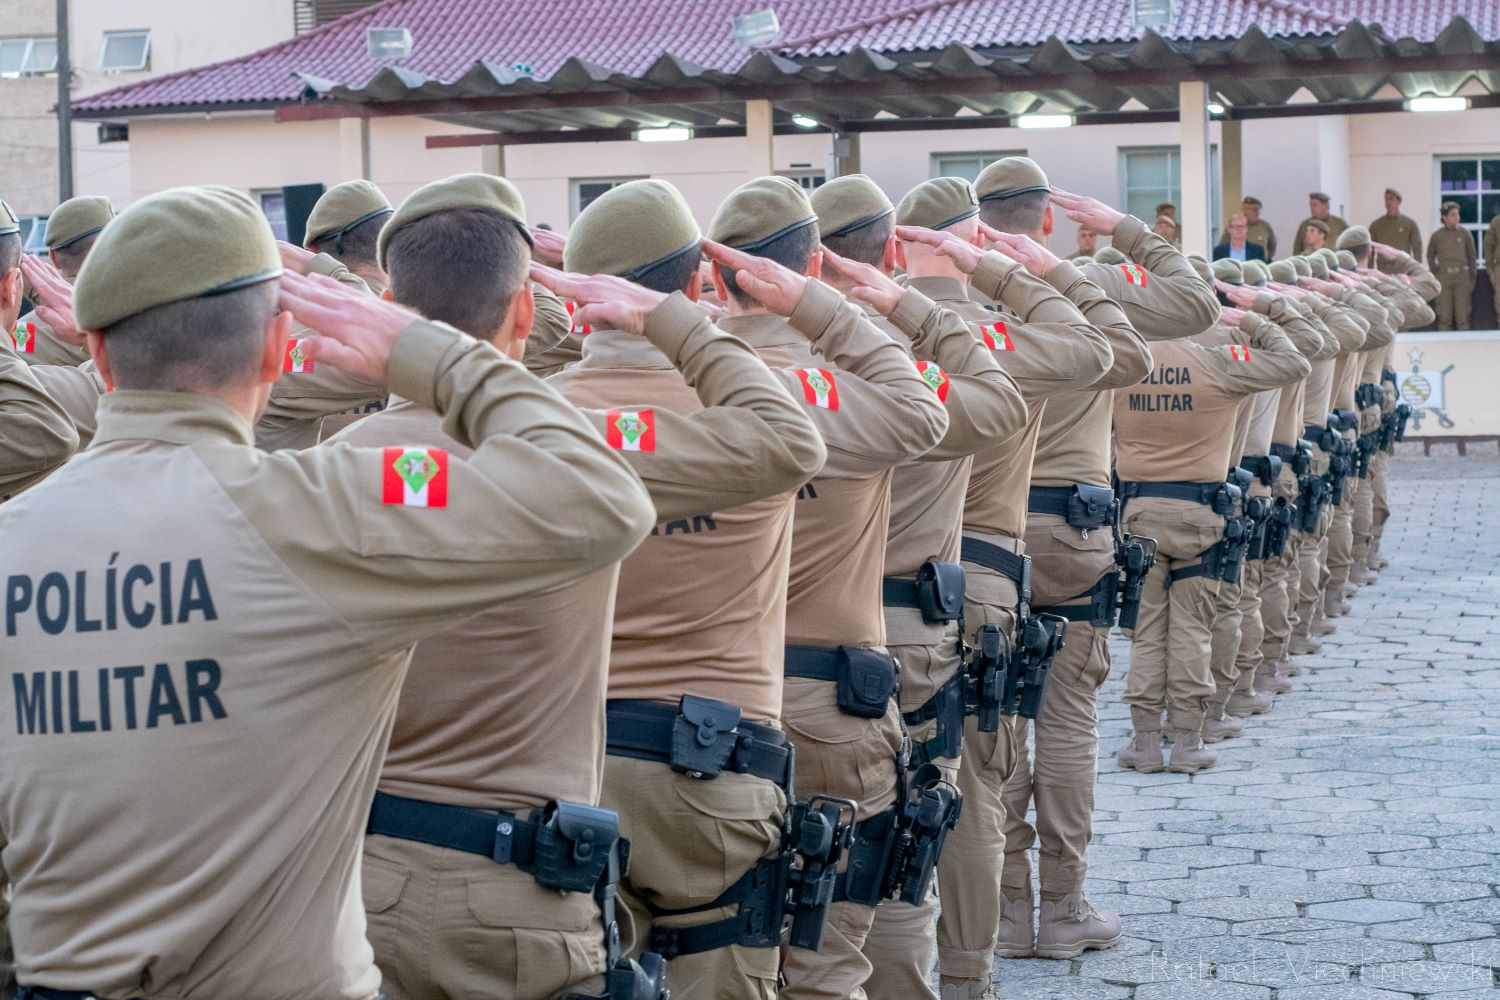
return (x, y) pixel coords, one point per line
(293, 257)
(1036, 258)
(1385, 250)
(548, 246)
(605, 301)
(56, 306)
(352, 331)
(963, 253)
(777, 288)
(1238, 294)
(1232, 317)
(1091, 211)
(871, 284)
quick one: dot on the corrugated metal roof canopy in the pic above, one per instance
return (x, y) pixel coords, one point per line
(862, 88)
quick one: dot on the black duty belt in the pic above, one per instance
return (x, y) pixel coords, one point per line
(1285, 452)
(899, 592)
(990, 556)
(1049, 500)
(1321, 436)
(1203, 493)
(496, 835)
(1263, 467)
(813, 663)
(1086, 508)
(643, 730)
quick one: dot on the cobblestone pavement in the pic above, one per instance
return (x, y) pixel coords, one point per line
(1348, 846)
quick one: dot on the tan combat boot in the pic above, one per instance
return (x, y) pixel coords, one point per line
(1219, 725)
(1288, 668)
(1269, 680)
(1144, 753)
(1017, 931)
(1320, 623)
(1255, 701)
(967, 989)
(1188, 752)
(1070, 927)
(1334, 606)
(1375, 560)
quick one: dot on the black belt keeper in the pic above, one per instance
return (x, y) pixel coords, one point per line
(1210, 564)
(867, 679)
(1203, 493)
(653, 730)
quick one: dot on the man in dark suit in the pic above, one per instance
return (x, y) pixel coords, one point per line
(1237, 247)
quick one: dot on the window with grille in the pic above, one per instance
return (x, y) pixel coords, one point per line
(1150, 175)
(968, 165)
(1473, 182)
(586, 189)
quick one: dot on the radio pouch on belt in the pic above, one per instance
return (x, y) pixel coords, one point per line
(940, 591)
(703, 736)
(866, 681)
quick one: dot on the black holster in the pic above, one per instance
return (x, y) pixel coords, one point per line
(866, 681)
(1257, 522)
(947, 706)
(1279, 528)
(1314, 493)
(895, 853)
(1135, 555)
(940, 589)
(1403, 414)
(1091, 507)
(1039, 638)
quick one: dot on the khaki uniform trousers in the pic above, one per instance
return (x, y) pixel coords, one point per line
(1252, 625)
(1340, 543)
(1456, 299)
(1059, 779)
(1278, 592)
(900, 943)
(448, 925)
(1171, 644)
(1224, 642)
(1380, 471)
(848, 758)
(1311, 558)
(690, 840)
(1363, 519)
(969, 872)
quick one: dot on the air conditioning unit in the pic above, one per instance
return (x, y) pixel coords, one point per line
(388, 43)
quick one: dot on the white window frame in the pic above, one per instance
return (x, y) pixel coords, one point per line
(1174, 183)
(260, 195)
(808, 178)
(575, 189)
(1476, 229)
(26, 54)
(985, 158)
(145, 63)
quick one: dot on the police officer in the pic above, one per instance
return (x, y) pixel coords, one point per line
(1393, 229)
(36, 435)
(1491, 254)
(1173, 446)
(1450, 255)
(836, 703)
(488, 721)
(72, 229)
(76, 389)
(1317, 212)
(250, 638)
(1260, 230)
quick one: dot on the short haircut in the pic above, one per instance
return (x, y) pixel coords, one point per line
(866, 244)
(1236, 218)
(1449, 206)
(793, 251)
(356, 245)
(10, 252)
(196, 345)
(1361, 253)
(461, 267)
(672, 274)
(1020, 214)
(70, 258)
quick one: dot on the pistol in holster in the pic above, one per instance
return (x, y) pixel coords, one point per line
(895, 853)
(1134, 555)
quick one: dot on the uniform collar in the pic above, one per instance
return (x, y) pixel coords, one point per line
(169, 417)
(940, 288)
(617, 349)
(761, 330)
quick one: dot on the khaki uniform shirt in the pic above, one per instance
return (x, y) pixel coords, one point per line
(1349, 334)
(76, 390)
(204, 680)
(1399, 231)
(1450, 255)
(1491, 253)
(1336, 227)
(1178, 425)
(506, 710)
(36, 434)
(1317, 345)
(47, 348)
(555, 342)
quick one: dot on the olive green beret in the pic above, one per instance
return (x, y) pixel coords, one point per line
(1318, 196)
(1347, 261)
(1229, 271)
(1201, 266)
(1250, 199)
(631, 230)
(1110, 255)
(1283, 271)
(1329, 258)
(183, 243)
(938, 203)
(343, 207)
(848, 204)
(1319, 225)
(1304, 269)
(760, 211)
(1354, 236)
(485, 192)
(1255, 272)
(8, 221)
(1317, 265)
(76, 218)
(1009, 177)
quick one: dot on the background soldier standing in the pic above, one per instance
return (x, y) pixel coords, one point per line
(1394, 230)
(1450, 255)
(1317, 211)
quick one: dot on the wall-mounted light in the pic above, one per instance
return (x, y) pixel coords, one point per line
(1438, 104)
(666, 133)
(1044, 121)
(804, 121)
(1216, 109)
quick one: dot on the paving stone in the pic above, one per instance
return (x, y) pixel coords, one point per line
(1236, 908)
(1201, 857)
(1154, 838)
(1433, 930)
(1171, 927)
(1427, 977)
(1207, 989)
(1334, 992)
(1433, 857)
(1365, 911)
(1486, 952)
(1484, 910)
(1432, 892)
(1064, 988)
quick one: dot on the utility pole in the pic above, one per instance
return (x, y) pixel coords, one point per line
(64, 106)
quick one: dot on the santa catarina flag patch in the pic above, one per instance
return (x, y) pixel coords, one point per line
(1239, 352)
(24, 336)
(576, 329)
(414, 477)
(630, 430)
(1134, 274)
(935, 377)
(297, 359)
(996, 337)
(818, 388)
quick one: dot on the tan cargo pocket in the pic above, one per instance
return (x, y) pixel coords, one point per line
(512, 898)
(382, 882)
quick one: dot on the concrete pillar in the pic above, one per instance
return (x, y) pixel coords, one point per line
(1231, 163)
(354, 148)
(492, 160)
(1333, 162)
(758, 134)
(1192, 104)
(845, 154)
